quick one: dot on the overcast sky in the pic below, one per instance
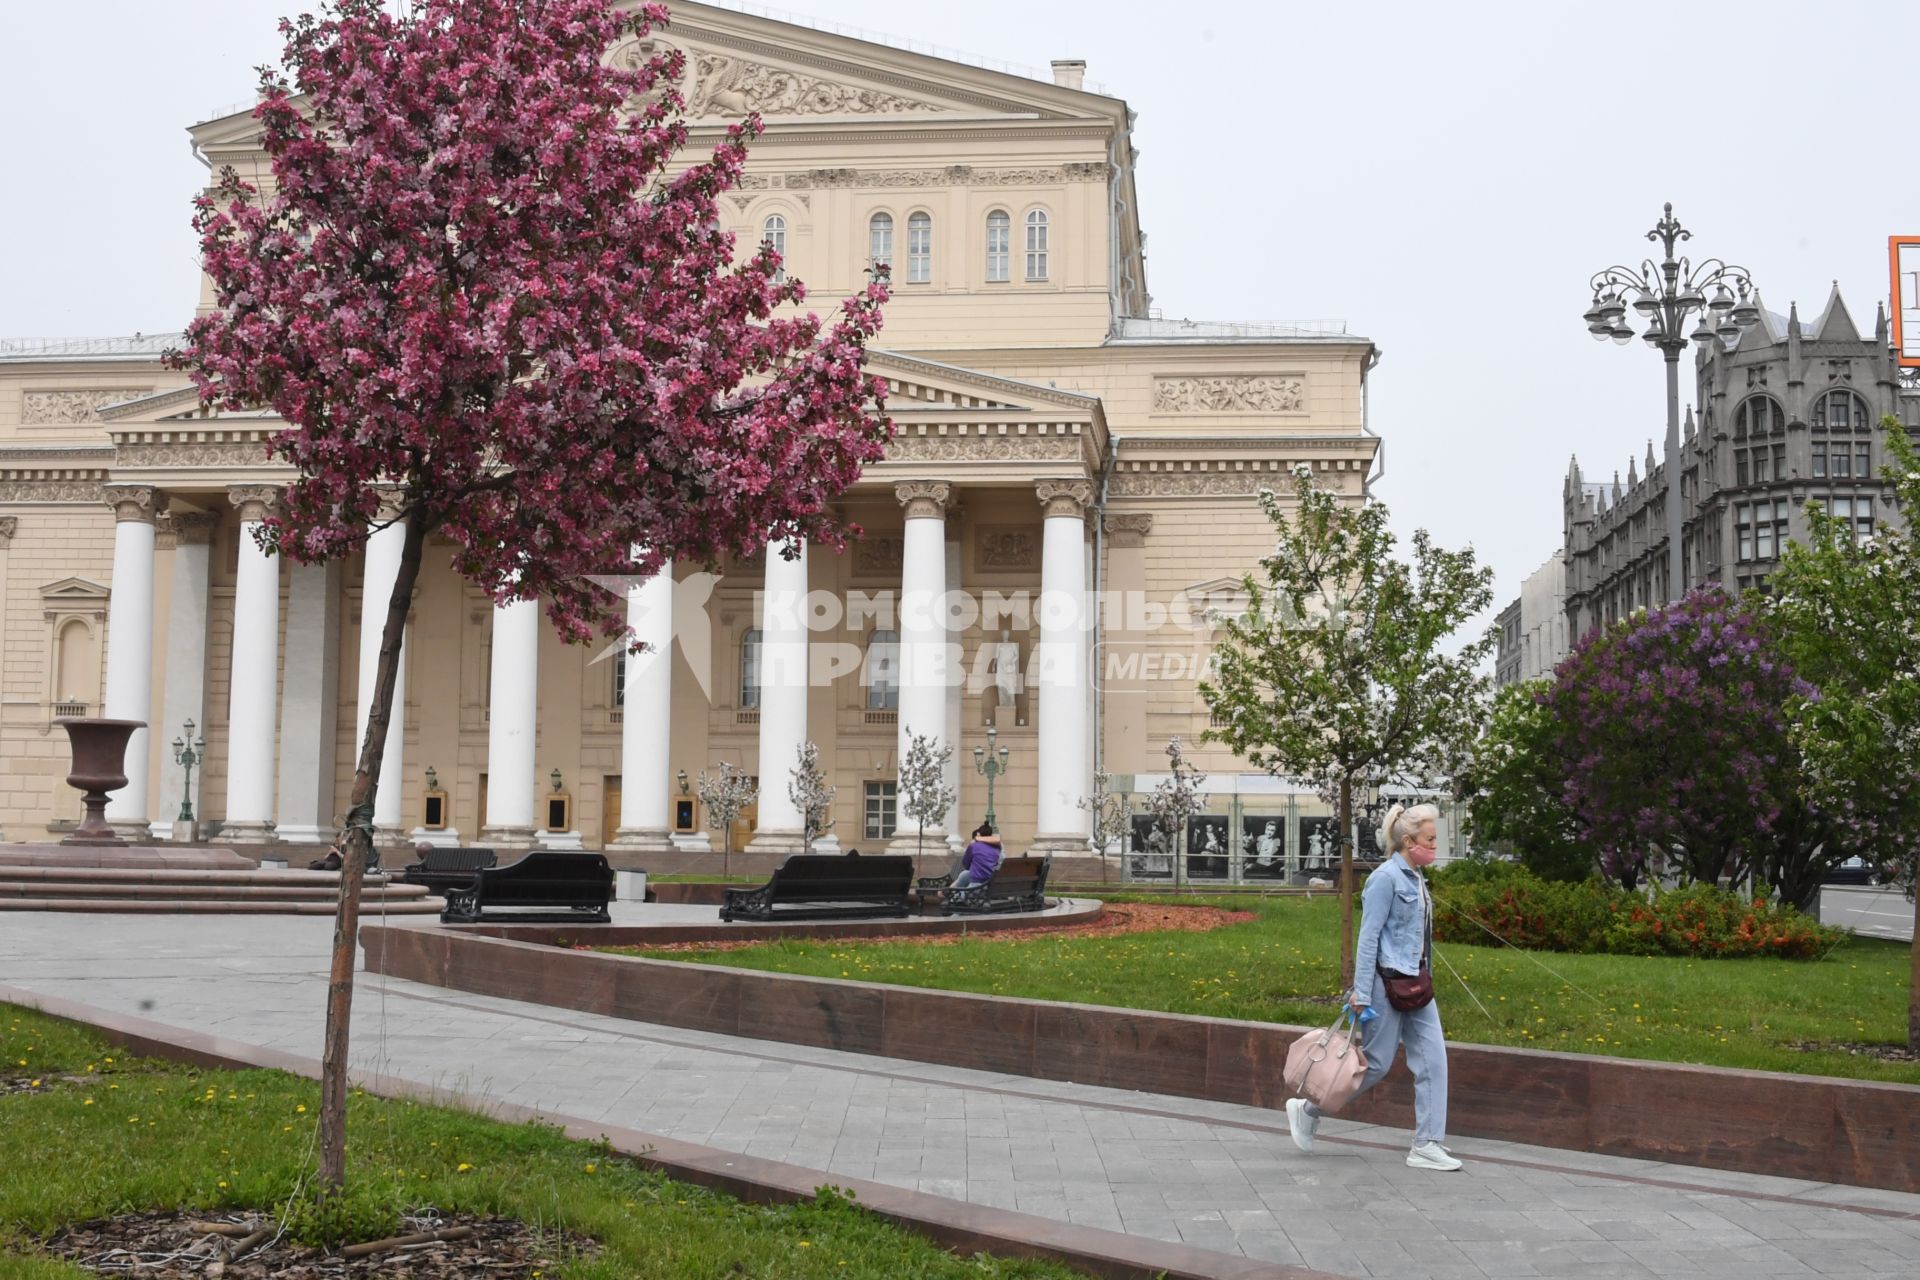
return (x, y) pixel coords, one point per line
(1445, 178)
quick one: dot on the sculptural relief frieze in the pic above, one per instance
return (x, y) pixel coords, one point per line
(906, 448)
(183, 453)
(731, 87)
(57, 407)
(89, 491)
(1009, 547)
(1233, 393)
(878, 557)
(956, 175)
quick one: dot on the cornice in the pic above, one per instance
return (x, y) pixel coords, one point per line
(923, 128)
(1243, 443)
(934, 373)
(150, 403)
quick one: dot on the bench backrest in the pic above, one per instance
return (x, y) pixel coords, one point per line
(1017, 875)
(814, 877)
(457, 860)
(546, 875)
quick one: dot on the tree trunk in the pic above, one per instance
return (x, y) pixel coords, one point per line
(1913, 980)
(358, 845)
(1346, 884)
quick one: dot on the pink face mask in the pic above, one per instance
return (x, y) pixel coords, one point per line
(1421, 855)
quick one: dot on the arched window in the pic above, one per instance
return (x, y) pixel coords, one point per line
(773, 232)
(999, 244)
(750, 669)
(1840, 411)
(881, 673)
(1036, 244)
(919, 249)
(880, 241)
(1760, 416)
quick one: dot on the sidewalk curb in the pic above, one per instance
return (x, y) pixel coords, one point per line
(965, 1228)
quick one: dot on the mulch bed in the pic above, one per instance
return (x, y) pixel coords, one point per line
(176, 1246)
(1119, 917)
(1884, 1052)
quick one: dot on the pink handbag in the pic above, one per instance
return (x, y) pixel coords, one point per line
(1326, 1067)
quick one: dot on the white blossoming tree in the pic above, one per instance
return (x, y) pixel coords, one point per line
(811, 793)
(1175, 799)
(925, 794)
(1343, 666)
(725, 795)
(1112, 817)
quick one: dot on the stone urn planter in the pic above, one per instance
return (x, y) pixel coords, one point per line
(99, 768)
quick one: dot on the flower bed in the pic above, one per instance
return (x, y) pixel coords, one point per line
(1479, 903)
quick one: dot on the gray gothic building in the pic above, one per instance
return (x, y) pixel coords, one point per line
(1789, 416)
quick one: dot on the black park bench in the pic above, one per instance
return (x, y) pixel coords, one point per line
(809, 886)
(544, 885)
(444, 870)
(1020, 884)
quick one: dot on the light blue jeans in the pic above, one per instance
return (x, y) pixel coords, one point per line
(1419, 1032)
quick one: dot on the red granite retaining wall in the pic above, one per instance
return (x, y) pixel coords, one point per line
(1815, 1127)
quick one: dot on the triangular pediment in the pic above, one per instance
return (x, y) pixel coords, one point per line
(81, 594)
(914, 383)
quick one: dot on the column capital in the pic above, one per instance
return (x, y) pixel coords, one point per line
(923, 498)
(9, 525)
(139, 502)
(193, 528)
(1063, 498)
(393, 501)
(253, 500)
(1129, 528)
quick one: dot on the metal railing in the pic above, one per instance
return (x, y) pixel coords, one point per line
(139, 344)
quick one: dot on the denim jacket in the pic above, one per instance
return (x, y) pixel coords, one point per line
(1393, 923)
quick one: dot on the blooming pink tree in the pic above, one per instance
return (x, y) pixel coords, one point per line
(482, 278)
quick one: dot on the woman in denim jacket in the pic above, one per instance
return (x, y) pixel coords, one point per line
(1396, 917)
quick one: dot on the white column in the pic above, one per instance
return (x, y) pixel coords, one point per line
(310, 702)
(954, 691)
(184, 696)
(783, 697)
(511, 725)
(383, 553)
(130, 646)
(253, 687)
(923, 639)
(1060, 665)
(646, 723)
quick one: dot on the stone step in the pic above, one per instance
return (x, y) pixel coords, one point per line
(168, 892)
(223, 906)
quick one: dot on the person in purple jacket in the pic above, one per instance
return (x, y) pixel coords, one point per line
(981, 859)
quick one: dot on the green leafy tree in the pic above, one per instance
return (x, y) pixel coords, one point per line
(1847, 609)
(1343, 666)
(1516, 789)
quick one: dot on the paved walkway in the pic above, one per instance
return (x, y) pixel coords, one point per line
(1212, 1175)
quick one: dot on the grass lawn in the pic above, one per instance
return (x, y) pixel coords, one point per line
(1734, 1013)
(102, 1136)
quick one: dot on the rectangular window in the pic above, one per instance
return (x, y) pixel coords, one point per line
(1863, 517)
(620, 681)
(1863, 460)
(1820, 459)
(880, 801)
(1743, 531)
(919, 249)
(1842, 460)
(1740, 466)
(1780, 519)
(999, 246)
(1036, 247)
(1780, 462)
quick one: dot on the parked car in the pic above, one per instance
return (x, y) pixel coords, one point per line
(1854, 870)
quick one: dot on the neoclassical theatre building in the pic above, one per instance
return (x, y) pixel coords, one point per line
(1054, 435)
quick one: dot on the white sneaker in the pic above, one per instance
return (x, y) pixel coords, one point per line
(1301, 1124)
(1431, 1155)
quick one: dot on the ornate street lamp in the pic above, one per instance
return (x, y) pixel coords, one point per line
(1665, 294)
(188, 751)
(990, 765)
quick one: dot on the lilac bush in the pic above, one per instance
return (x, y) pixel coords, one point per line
(1673, 728)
